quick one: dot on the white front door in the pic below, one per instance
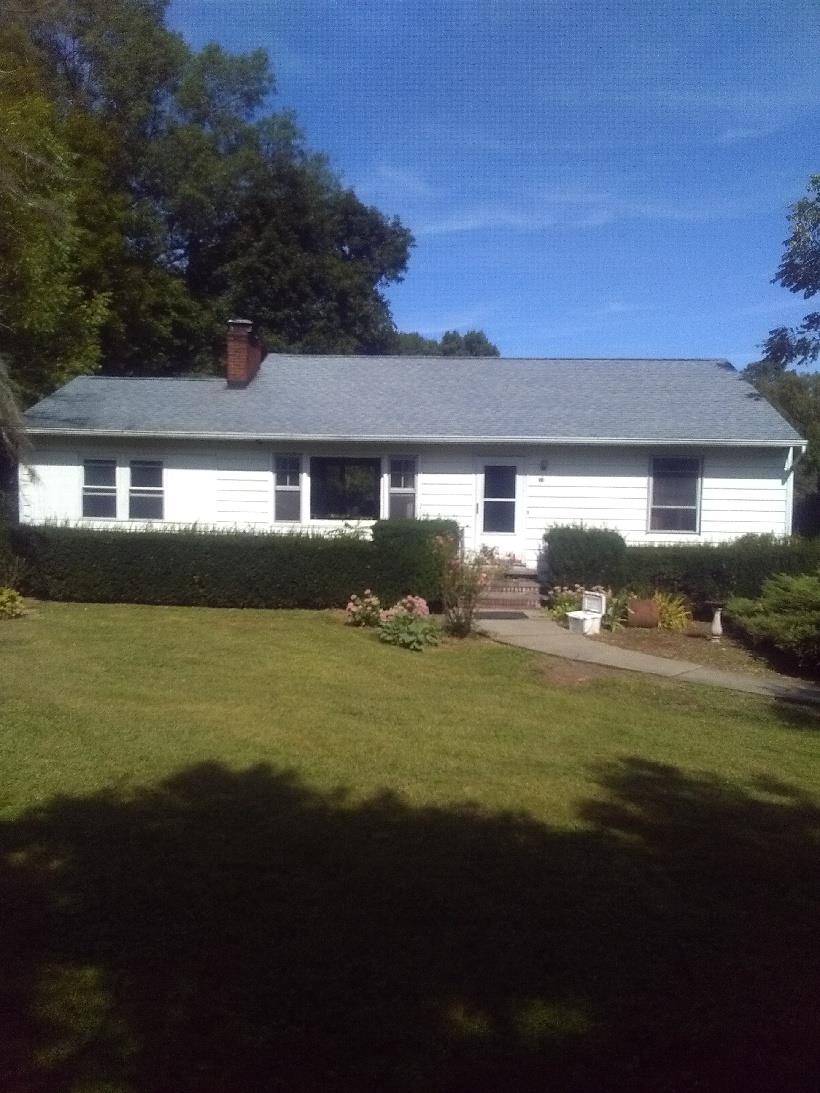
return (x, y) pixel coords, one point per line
(500, 505)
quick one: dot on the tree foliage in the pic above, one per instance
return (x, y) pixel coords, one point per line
(163, 194)
(474, 343)
(49, 320)
(799, 271)
(797, 396)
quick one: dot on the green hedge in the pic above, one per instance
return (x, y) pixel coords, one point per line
(582, 555)
(704, 572)
(225, 569)
(229, 569)
(701, 572)
(405, 558)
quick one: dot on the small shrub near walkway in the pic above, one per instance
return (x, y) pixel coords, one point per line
(786, 618)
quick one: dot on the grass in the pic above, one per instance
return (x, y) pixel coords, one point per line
(250, 850)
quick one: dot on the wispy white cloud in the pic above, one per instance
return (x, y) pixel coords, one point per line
(394, 184)
(740, 97)
(575, 209)
(739, 134)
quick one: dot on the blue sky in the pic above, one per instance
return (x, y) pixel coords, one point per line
(608, 178)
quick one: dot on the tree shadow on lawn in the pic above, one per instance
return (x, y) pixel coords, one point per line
(241, 931)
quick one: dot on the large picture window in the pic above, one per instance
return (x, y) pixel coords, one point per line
(287, 491)
(344, 489)
(402, 491)
(100, 488)
(145, 493)
(675, 494)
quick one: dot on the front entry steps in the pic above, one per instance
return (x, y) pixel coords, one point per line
(511, 593)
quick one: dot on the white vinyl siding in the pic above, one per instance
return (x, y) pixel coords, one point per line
(744, 493)
(447, 487)
(232, 485)
(244, 494)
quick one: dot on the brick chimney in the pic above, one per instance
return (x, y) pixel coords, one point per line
(244, 353)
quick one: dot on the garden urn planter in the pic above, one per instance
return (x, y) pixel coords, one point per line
(642, 613)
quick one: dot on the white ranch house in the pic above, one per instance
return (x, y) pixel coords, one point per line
(661, 450)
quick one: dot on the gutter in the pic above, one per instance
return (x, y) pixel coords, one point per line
(334, 438)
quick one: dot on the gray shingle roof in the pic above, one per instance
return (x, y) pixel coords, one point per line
(425, 398)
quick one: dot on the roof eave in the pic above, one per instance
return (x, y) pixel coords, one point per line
(393, 438)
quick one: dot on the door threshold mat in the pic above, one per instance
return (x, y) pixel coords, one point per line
(500, 615)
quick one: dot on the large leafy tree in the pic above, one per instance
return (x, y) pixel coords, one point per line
(799, 271)
(193, 200)
(49, 322)
(797, 395)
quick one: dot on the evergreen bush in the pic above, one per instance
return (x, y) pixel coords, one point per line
(786, 617)
(406, 560)
(191, 568)
(228, 568)
(583, 555)
(700, 572)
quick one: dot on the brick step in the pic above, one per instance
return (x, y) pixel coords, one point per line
(508, 605)
(515, 594)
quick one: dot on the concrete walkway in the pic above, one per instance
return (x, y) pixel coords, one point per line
(545, 636)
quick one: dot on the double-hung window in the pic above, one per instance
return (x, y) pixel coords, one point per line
(145, 492)
(675, 498)
(287, 501)
(402, 500)
(100, 488)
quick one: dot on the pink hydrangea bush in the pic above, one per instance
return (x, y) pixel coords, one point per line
(413, 606)
(365, 610)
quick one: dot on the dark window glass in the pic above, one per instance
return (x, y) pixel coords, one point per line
(402, 474)
(674, 495)
(344, 489)
(287, 470)
(288, 505)
(499, 515)
(100, 504)
(144, 506)
(100, 488)
(98, 472)
(499, 482)
(674, 491)
(146, 476)
(674, 520)
(402, 506)
(145, 498)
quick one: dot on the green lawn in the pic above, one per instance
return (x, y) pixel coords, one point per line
(252, 851)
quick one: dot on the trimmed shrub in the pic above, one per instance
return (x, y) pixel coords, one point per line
(786, 617)
(698, 572)
(406, 558)
(191, 568)
(714, 572)
(586, 556)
